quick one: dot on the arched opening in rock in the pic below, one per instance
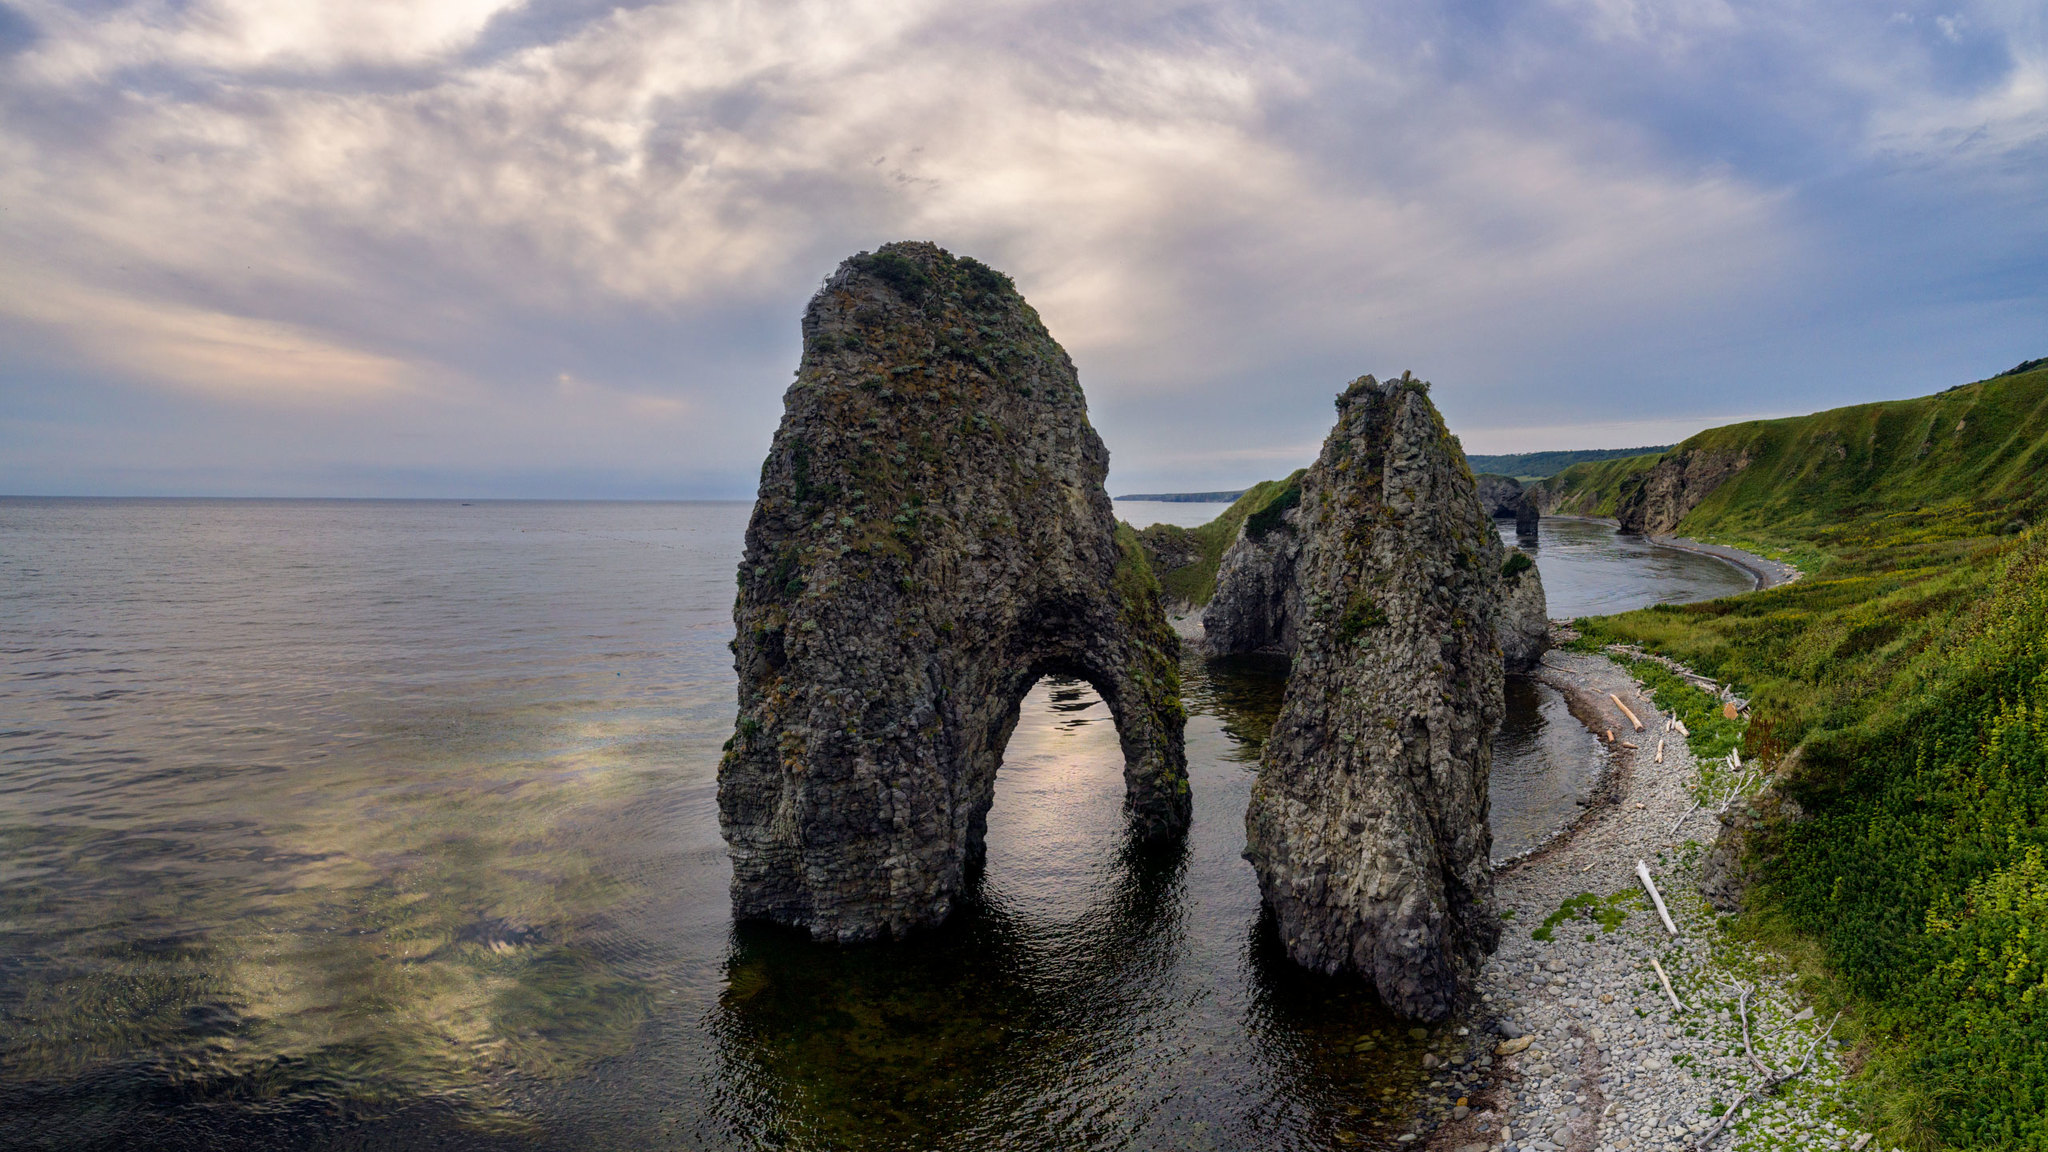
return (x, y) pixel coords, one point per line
(1054, 831)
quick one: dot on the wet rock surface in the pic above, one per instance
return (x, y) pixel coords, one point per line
(931, 536)
(1368, 824)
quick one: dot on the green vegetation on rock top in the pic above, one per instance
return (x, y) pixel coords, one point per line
(1185, 560)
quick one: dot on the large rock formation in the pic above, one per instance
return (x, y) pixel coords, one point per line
(1368, 823)
(1524, 628)
(931, 536)
(1504, 499)
(1674, 487)
(1257, 605)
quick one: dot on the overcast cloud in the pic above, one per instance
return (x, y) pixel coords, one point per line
(559, 248)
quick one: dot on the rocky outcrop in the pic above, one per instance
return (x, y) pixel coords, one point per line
(1504, 499)
(1368, 824)
(1674, 487)
(1524, 628)
(931, 536)
(1257, 605)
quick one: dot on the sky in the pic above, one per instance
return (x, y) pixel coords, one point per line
(559, 248)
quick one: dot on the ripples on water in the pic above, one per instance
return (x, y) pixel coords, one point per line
(359, 824)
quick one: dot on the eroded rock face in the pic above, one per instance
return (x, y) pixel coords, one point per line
(1504, 499)
(931, 536)
(1368, 823)
(1257, 605)
(1524, 630)
(1674, 487)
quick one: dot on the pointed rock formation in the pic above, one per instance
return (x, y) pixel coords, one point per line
(1524, 629)
(1504, 498)
(1368, 823)
(931, 536)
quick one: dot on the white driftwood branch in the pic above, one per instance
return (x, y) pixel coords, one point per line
(1666, 981)
(1770, 1085)
(1625, 711)
(1656, 897)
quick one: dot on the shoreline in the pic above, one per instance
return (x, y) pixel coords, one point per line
(1589, 1052)
(1766, 572)
(1763, 571)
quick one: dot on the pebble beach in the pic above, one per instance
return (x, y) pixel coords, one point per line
(1575, 1043)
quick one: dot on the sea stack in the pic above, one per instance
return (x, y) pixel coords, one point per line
(931, 536)
(1368, 823)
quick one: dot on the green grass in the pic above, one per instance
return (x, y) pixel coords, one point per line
(1193, 582)
(1536, 465)
(1901, 689)
(1591, 488)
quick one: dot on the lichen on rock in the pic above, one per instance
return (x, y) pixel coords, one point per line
(1368, 823)
(931, 536)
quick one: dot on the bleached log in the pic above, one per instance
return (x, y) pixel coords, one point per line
(1675, 1005)
(1682, 729)
(1660, 751)
(1656, 897)
(1625, 711)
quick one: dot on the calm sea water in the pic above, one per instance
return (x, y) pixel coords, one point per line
(392, 824)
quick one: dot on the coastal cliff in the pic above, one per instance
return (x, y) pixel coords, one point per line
(1675, 486)
(1368, 824)
(1504, 499)
(1257, 607)
(1524, 627)
(931, 536)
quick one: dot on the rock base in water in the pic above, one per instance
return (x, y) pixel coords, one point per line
(1368, 823)
(931, 537)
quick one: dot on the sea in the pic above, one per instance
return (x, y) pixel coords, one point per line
(392, 824)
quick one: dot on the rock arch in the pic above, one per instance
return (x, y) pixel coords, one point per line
(931, 536)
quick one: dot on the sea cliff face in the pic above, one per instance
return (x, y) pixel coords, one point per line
(1524, 628)
(1504, 499)
(1674, 487)
(1368, 824)
(931, 536)
(1257, 606)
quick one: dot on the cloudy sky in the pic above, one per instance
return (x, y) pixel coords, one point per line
(559, 247)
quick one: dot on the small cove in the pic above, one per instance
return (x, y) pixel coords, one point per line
(367, 824)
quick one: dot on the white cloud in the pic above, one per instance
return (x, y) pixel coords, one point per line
(318, 201)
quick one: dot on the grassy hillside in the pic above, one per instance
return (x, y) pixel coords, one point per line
(1536, 465)
(1902, 687)
(1969, 462)
(1591, 488)
(1185, 559)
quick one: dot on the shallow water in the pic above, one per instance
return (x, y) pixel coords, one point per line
(365, 824)
(1545, 761)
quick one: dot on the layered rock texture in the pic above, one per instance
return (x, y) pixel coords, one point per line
(1674, 487)
(1257, 606)
(1368, 823)
(931, 537)
(1524, 627)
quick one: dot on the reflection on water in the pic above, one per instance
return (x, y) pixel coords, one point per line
(1544, 762)
(1589, 569)
(358, 824)
(387, 824)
